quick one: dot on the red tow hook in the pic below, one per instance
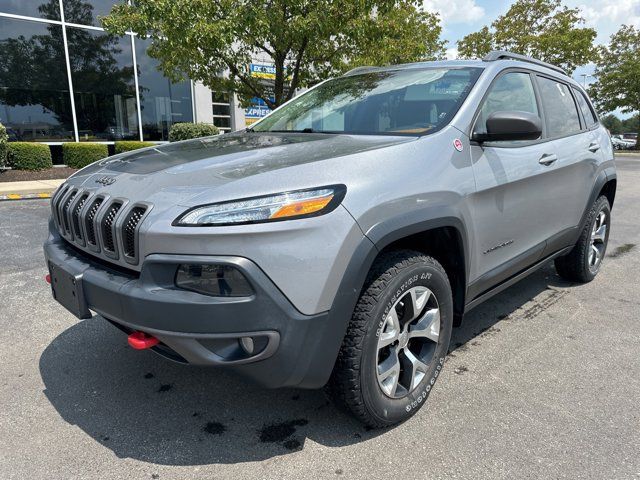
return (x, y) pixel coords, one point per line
(142, 341)
(47, 278)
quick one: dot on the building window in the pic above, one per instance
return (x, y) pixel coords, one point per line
(87, 13)
(103, 85)
(34, 91)
(221, 110)
(39, 92)
(162, 103)
(49, 9)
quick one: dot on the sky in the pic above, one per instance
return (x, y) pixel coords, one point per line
(460, 17)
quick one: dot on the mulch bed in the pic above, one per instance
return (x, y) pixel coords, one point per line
(26, 175)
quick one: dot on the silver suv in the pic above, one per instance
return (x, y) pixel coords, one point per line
(340, 239)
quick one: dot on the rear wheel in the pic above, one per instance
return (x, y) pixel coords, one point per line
(583, 262)
(396, 341)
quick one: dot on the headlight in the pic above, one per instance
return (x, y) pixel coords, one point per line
(272, 208)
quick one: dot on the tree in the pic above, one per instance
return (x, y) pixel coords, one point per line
(618, 74)
(541, 29)
(214, 41)
(631, 124)
(613, 124)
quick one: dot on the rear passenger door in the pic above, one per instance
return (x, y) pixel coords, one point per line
(568, 179)
(512, 204)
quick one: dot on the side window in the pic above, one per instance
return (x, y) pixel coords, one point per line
(510, 92)
(560, 110)
(587, 111)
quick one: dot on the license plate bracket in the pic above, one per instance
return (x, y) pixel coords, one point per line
(67, 290)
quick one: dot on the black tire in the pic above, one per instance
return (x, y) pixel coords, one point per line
(354, 384)
(576, 265)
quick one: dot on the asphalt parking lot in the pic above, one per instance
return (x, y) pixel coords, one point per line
(543, 381)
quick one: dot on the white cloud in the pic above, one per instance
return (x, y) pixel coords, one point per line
(604, 13)
(455, 11)
(451, 53)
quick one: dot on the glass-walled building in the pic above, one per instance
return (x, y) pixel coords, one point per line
(63, 78)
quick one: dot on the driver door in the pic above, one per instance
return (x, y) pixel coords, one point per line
(510, 205)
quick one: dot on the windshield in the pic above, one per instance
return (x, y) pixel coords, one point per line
(398, 102)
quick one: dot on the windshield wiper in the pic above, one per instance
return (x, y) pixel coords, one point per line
(304, 130)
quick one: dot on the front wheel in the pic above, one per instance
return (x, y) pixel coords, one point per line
(397, 340)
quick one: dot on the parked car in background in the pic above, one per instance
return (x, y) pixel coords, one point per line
(620, 144)
(630, 136)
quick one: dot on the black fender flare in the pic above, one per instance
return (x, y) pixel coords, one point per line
(376, 239)
(604, 176)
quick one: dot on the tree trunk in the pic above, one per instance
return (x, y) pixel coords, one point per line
(278, 88)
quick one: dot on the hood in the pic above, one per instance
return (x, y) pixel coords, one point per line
(192, 167)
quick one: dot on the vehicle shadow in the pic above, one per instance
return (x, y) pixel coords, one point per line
(144, 407)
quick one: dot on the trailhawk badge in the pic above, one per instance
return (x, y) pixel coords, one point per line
(106, 181)
(457, 144)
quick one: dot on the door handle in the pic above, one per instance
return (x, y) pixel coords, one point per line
(547, 159)
(594, 147)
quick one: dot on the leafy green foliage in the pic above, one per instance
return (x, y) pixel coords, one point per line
(185, 131)
(29, 156)
(79, 155)
(618, 74)
(616, 125)
(129, 145)
(4, 138)
(307, 40)
(542, 29)
(613, 124)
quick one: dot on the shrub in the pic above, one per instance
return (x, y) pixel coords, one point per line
(28, 156)
(78, 155)
(3, 145)
(128, 145)
(185, 131)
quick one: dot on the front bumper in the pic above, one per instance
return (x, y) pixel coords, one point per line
(291, 348)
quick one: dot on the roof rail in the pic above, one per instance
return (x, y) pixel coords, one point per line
(504, 55)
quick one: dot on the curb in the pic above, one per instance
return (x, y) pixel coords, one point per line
(26, 196)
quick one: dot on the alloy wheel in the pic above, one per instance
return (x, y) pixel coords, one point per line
(407, 342)
(598, 241)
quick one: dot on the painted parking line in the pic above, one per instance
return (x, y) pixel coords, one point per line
(25, 196)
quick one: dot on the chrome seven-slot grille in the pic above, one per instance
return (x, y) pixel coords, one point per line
(97, 223)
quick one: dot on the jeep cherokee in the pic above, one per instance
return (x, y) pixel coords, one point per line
(340, 239)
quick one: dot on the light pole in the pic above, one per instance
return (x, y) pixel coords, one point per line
(584, 79)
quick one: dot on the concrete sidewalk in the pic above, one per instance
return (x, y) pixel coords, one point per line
(30, 189)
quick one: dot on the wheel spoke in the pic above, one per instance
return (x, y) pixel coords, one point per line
(428, 326)
(419, 297)
(418, 369)
(601, 219)
(390, 330)
(389, 373)
(600, 234)
(594, 256)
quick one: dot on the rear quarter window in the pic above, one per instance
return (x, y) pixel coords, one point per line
(587, 112)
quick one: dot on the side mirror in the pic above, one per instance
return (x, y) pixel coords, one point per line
(511, 126)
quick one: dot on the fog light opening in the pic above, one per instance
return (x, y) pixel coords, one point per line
(247, 345)
(213, 280)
